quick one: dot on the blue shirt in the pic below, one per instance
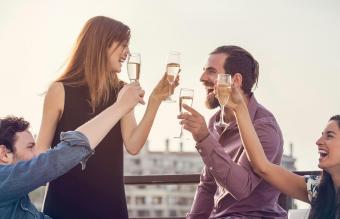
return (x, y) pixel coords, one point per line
(17, 180)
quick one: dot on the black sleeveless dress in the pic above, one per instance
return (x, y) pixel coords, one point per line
(98, 191)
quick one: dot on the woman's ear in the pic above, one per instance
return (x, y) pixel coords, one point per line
(5, 157)
(237, 80)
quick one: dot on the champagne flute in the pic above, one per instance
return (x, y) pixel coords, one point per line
(223, 93)
(186, 96)
(133, 66)
(172, 70)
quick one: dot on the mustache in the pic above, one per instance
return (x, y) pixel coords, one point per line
(208, 84)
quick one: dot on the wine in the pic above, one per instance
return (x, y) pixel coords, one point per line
(223, 92)
(170, 78)
(186, 100)
(172, 68)
(133, 71)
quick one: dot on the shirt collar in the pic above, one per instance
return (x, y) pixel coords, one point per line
(252, 106)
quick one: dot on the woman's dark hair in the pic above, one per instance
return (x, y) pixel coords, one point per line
(9, 126)
(327, 202)
(240, 61)
(336, 118)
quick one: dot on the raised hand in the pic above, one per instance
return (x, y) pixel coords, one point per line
(161, 91)
(195, 123)
(236, 98)
(130, 95)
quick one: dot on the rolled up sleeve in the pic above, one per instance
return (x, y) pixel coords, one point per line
(23, 177)
(78, 139)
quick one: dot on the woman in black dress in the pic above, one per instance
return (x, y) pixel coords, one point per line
(88, 85)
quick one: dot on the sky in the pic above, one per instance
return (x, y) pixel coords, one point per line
(295, 42)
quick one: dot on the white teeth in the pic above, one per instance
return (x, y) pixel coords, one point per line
(323, 153)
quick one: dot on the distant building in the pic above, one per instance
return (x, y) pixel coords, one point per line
(166, 200)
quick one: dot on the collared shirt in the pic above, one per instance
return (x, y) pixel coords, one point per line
(17, 180)
(228, 187)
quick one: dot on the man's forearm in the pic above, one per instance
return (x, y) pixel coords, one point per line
(23, 177)
(239, 181)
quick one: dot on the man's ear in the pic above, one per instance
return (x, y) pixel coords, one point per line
(237, 79)
(4, 155)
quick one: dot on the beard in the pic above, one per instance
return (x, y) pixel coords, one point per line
(211, 101)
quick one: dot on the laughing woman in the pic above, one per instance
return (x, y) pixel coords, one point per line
(88, 85)
(323, 193)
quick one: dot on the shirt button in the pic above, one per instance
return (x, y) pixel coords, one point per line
(210, 168)
(199, 151)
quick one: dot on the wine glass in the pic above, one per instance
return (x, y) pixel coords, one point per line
(223, 86)
(172, 70)
(186, 96)
(133, 66)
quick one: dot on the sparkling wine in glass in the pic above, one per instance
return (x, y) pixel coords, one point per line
(223, 86)
(172, 69)
(186, 96)
(133, 66)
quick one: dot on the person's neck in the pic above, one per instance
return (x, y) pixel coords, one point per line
(229, 114)
(336, 179)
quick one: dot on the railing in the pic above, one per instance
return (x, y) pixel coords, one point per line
(284, 201)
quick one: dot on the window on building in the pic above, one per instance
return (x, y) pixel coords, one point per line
(157, 200)
(136, 161)
(143, 213)
(183, 201)
(172, 213)
(159, 213)
(140, 200)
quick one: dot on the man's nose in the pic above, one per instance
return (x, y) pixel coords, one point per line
(203, 77)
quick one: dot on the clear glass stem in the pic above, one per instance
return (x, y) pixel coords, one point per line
(222, 115)
(170, 89)
(181, 133)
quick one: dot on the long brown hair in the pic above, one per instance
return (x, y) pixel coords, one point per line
(88, 62)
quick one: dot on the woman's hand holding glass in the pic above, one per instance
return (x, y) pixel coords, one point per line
(130, 95)
(161, 91)
(236, 99)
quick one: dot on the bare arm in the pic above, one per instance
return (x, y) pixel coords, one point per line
(134, 135)
(284, 180)
(73, 148)
(98, 127)
(52, 111)
(128, 97)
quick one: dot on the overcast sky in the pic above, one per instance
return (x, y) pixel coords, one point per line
(295, 42)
